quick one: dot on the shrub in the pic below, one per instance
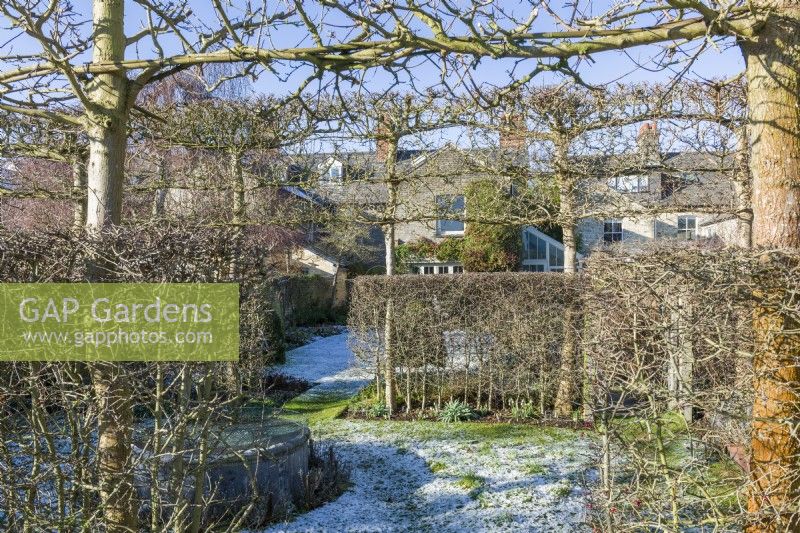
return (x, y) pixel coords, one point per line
(327, 477)
(524, 410)
(489, 246)
(475, 337)
(456, 411)
(378, 410)
(450, 249)
(306, 300)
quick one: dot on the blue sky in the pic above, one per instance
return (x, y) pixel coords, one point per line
(634, 65)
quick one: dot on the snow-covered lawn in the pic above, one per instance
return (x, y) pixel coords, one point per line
(432, 476)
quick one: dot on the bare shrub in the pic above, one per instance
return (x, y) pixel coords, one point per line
(181, 418)
(670, 339)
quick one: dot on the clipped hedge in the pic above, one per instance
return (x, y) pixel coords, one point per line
(473, 337)
(306, 300)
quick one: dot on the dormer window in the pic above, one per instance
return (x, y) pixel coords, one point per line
(332, 171)
(335, 172)
(635, 183)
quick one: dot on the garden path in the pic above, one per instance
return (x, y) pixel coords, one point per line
(433, 476)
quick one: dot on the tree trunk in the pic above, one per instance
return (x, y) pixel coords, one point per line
(114, 436)
(773, 78)
(390, 392)
(570, 248)
(743, 192)
(566, 373)
(233, 376)
(79, 195)
(107, 120)
(160, 197)
(390, 216)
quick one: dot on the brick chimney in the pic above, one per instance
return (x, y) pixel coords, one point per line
(513, 131)
(648, 140)
(381, 141)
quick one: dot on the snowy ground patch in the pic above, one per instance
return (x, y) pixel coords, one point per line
(432, 476)
(429, 476)
(329, 363)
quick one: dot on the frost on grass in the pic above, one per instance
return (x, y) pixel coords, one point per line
(434, 476)
(429, 476)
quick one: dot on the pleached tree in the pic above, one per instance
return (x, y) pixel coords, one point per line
(340, 37)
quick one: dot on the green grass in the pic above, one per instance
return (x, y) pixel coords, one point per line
(437, 466)
(315, 408)
(470, 481)
(535, 469)
(562, 490)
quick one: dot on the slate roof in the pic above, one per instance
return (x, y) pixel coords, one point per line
(362, 182)
(677, 181)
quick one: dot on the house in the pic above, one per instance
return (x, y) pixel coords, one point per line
(672, 195)
(661, 195)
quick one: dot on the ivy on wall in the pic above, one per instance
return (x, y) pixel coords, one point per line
(488, 245)
(447, 250)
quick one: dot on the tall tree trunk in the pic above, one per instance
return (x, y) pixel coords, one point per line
(389, 242)
(773, 75)
(570, 248)
(743, 193)
(390, 381)
(160, 196)
(233, 376)
(567, 373)
(565, 394)
(79, 180)
(107, 119)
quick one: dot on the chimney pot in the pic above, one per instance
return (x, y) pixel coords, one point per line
(512, 132)
(648, 140)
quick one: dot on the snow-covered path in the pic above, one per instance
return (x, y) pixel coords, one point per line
(329, 362)
(431, 476)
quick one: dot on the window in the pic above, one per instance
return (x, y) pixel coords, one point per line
(535, 248)
(427, 270)
(630, 183)
(450, 206)
(541, 253)
(556, 261)
(687, 227)
(443, 269)
(331, 170)
(612, 230)
(458, 269)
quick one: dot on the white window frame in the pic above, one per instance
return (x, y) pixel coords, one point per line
(630, 183)
(687, 233)
(621, 231)
(437, 269)
(332, 171)
(540, 264)
(439, 231)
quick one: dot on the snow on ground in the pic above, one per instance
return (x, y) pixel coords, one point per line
(431, 476)
(329, 362)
